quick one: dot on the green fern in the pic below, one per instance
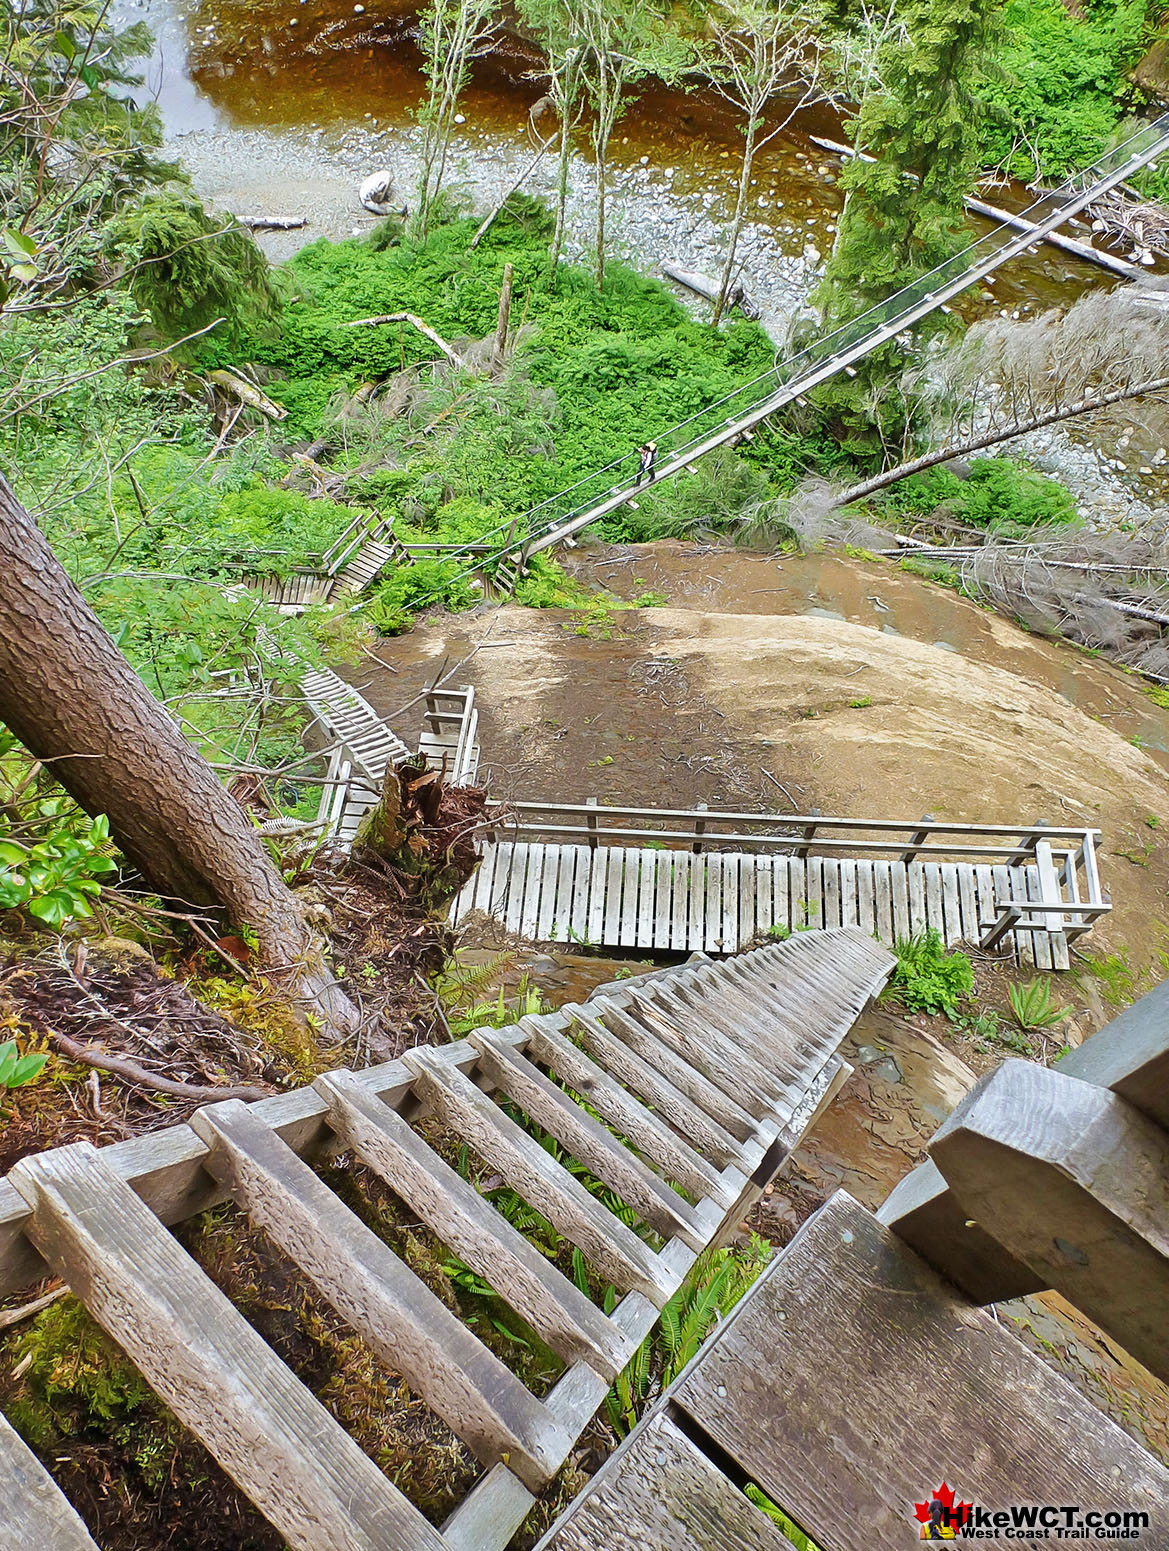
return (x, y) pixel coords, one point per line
(464, 983)
(791, 1530)
(716, 1282)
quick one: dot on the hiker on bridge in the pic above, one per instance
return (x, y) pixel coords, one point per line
(648, 455)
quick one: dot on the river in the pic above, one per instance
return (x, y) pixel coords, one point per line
(281, 107)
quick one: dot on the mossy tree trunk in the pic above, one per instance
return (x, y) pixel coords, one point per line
(77, 705)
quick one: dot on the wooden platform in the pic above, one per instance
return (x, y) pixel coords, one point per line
(720, 901)
(863, 1388)
(849, 1384)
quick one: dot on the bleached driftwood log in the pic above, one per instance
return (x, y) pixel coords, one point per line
(703, 285)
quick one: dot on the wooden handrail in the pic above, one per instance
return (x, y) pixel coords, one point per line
(800, 821)
(798, 844)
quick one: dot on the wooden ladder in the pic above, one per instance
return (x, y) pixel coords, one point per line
(450, 733)
(682, 1094)
(367, 739)
(861, 1372)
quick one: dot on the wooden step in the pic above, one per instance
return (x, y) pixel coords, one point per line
(849, 1384)
(846, 1333)
(458, 1215)
(662, 1493)
(603, 1238)
(628, 1065)
(34, 1512)
(645, 1039)
(395, 1313)
(726, 1065)
(645, 1129)
(587, 1140)
(203, 1359)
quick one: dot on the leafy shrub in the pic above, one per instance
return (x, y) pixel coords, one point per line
(716, 1282)
(17, 1071)
(188, 267)
(1062, 85)
(790, 1528)
(1000, 494)
(928, 978)
(52, 855)
(427, 583)
(75, 1379)
(259, 517)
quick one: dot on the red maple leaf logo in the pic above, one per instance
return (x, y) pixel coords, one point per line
(945, 1496)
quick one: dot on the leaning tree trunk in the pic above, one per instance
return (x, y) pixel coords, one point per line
(728, 275)
(76, 704)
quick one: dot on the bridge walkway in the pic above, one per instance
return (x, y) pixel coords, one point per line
(731, 419)
(567, 873)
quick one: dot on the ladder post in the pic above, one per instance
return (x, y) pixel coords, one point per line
(809, 836)
(918, 839)
(699, 829)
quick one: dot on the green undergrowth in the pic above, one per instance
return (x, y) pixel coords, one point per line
(1000, 495)
(1061, 88)
(929, 978)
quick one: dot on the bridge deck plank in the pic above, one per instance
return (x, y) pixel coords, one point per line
(717, 902)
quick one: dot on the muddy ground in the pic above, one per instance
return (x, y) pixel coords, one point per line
(808, 683)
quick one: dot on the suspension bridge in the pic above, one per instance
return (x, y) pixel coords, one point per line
(505, 553)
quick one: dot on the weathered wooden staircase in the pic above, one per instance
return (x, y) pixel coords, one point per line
(861, 1375)
(351, 564)
(364, 745)
(683, 1093)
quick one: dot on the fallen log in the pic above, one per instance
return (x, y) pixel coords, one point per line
(1080, 250)
(451, 354)
(703, 285)
(273, 223)
(130, 1071)
(248, 394)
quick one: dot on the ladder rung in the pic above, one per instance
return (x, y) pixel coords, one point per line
(628, 1065)
(586, 1139)
(392, 1310)
(299, 1466)
(614, 1249)
(458, 1215)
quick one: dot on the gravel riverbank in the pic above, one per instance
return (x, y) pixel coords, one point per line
(315, 173)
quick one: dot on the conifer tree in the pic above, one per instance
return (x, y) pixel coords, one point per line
(921, 122)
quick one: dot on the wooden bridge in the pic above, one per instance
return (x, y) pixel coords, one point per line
(699, 1080)
(715, 881)
(862, 1374)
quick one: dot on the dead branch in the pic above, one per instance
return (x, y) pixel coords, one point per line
(247, 394)
(131, 1072)
(929, 460)
(10, 1317)
(273, 223)
(451, 354)
(492, 216)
